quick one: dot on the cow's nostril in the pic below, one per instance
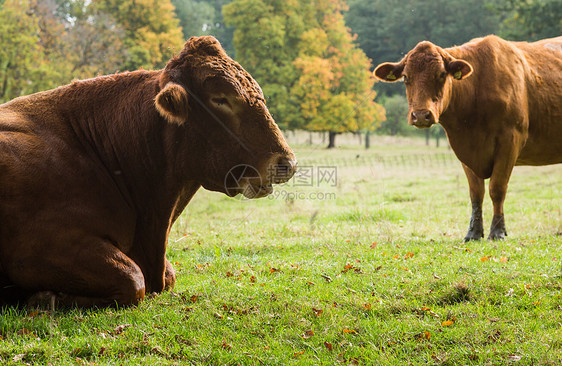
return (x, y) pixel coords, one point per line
(285, 168)
(414, 117)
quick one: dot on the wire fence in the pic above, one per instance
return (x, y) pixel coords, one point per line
(406, 161)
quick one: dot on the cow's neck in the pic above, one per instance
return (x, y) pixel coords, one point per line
(144, 154)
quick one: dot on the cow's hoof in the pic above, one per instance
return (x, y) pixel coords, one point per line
(474, 235)
(475, 231)
(42, 300)
(497, 229)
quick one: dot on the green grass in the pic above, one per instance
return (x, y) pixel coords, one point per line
(374, 273)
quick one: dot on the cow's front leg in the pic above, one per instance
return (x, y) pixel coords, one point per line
(85, 274)
(503, 166)
(477, 190)
(169, 276)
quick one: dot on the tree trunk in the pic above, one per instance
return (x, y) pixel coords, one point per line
(367, 139)
(437, 137)
(427, 137)
(332, 138)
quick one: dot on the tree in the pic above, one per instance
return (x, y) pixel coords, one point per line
(312, 74)
(195, 17)
(335, 85)
(151, 31)
(266, 38)
(396, 123)
(528, 20)
(19, 50)
(387, 29)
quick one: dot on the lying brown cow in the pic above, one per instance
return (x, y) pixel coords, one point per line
(94, 174)
(508, 112)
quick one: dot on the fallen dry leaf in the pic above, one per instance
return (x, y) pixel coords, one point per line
(296, 354)
(120, 328)
(374, 245)
(367, 306)
(308, 334)
(317, 312)
(273, 270)
(226, 346)
(349, 331)
(408, 255)
(424, 335)
(503, 260)
(193, 298)
(447, 323)
(229, 274)
(484, 259)
(347, 268)
(327, 278)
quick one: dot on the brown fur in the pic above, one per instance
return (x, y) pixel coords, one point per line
(504, 109)
(93, 174)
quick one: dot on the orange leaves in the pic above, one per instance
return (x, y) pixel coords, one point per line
(120, 328)
(308, 334)
(447, 323)
(348, 267)
(501, 259)
(297, 354)
(328, 346)
(317, 312)
(425, 335)
(349, 331)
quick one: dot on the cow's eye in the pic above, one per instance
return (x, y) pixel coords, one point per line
(220, 101)
(406, 80)
(442, 75)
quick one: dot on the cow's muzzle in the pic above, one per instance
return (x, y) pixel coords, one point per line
(282, 169)
(422, 118)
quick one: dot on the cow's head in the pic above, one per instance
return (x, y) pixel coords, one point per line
(428, 73)
(221, 109)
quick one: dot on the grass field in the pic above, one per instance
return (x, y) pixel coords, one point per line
(363, 264)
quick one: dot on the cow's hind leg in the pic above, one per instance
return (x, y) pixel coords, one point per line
(93, 274)
(477, 190)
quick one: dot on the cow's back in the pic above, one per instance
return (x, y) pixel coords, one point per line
(544, 93)
(521, 84)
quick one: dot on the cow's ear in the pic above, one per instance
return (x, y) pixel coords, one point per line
(459, 69)
(389, 72)
(172, 103)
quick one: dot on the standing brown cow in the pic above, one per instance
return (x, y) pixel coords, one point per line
(500, 104)
(94, 174)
